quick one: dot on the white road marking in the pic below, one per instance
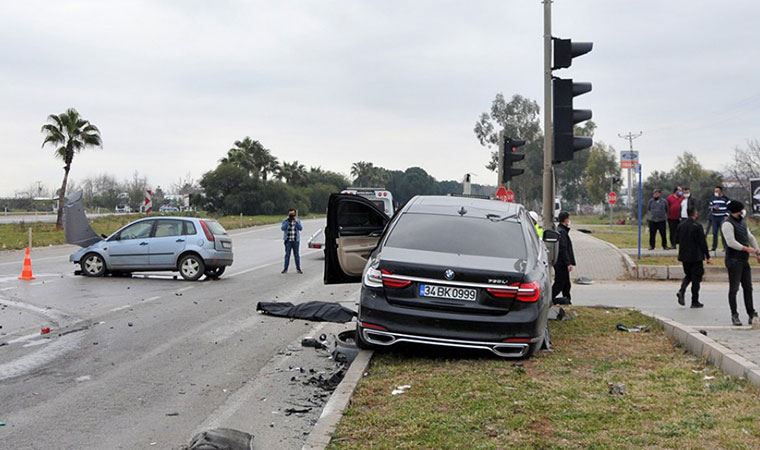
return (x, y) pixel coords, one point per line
(152, 299)
(251, 269)
(36, 343)
(119, 308)
(32, 361)
(187, 288)
(8, 288)
(24, 338)
(83, 378)
(34, 259)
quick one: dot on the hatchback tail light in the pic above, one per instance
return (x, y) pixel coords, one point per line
(393, 283)
(206, 231)
(526, 292)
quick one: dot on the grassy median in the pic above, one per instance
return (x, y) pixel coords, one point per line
(561, 399)
(14, 236)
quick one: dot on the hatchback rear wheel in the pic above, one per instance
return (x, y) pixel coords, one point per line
(93, 265)
(191, 267)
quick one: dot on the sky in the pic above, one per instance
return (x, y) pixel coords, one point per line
(172, 84)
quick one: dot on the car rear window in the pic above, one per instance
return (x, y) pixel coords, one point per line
(215, 227)
(459, 235)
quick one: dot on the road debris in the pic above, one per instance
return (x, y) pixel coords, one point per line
(172, 414)
(45, 330)
(221, 439)
(290, 411)
(636, 329)
(616, 388)
(401, 389)
(313, 343)
(584, 280)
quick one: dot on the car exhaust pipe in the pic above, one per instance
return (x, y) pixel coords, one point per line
(502, 350)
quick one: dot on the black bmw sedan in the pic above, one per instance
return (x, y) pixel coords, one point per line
(447, 271)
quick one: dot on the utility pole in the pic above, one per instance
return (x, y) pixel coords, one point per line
(630, 137)
(500, 159)
(548, 180)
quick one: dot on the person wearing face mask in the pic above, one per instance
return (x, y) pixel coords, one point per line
(692, 251)
(565, 261)
(686, 203)
(658, 216)
(291, 233)
(718, 213)
(739, 244)
(674, 214)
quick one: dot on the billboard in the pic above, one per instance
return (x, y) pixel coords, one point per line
(754, 187)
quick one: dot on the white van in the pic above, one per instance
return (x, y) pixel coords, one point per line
(381, 197)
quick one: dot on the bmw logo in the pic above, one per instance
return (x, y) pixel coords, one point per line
(449, 274)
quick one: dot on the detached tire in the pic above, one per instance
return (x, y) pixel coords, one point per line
(93, 265)
(191, 267)
(214, 273)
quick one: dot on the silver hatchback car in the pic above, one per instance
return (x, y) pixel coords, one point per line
(190, 245)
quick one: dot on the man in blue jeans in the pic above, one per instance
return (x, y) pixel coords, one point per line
(291, 233)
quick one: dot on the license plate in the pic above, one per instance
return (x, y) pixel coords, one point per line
(454, 293)
(226, 244)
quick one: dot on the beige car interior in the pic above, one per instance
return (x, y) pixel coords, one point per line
(353, 252)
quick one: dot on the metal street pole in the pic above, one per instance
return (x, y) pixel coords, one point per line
(548, 185)
(500, 159)
(638, 168)
(610, 204)
(630, 137)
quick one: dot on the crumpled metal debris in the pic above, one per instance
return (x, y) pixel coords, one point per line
(636, 329)
(616, 388)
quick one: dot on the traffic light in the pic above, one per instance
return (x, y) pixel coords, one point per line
(510, 157)
(564, 117)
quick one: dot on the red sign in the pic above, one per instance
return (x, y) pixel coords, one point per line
(505, 195)
(612, 198)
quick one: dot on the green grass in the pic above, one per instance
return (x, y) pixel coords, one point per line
(596, 219)
(621, 236)
(673, 261)
(14, 236)
(555, 400)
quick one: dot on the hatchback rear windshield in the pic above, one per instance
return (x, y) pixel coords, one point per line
(459, 235)
(215, 227)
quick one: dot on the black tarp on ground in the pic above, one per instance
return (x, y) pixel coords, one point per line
(315, 311)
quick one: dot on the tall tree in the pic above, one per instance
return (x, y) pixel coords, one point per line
(367, 174)
(70, 134)
(250, 155)
(601, 167)
(294, 172)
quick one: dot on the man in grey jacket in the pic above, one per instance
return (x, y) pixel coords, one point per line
(740, 244)
(658, 217)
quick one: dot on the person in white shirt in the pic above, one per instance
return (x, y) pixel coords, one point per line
(686, 203)
(740, 244)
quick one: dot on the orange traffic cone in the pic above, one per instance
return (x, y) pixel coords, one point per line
(26, 272)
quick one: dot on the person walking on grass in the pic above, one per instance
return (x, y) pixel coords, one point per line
(674, 214)
(565, 261)
(692, 251)
(739, 244)
(718, 213)
(658, 215)
(291, 233)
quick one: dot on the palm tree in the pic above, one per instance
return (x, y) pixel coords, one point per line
(250, 155)
(70, 133)
(294, 172)
(367, 175)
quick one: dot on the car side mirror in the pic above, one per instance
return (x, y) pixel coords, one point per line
(551, 236)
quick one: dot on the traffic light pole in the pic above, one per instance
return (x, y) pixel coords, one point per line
(548, 185)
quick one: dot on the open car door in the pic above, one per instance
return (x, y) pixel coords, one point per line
(76, 227)
(354, 228)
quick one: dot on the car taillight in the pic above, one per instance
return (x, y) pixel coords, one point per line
(517, 340)
(373, 278)
(372, 326)
(392, 282)
(206, 231)
(529, 292)
(525, 292)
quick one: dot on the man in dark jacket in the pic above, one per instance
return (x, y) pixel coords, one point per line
(658, 216)
(739, 244)
(565, 259)
(692, 250)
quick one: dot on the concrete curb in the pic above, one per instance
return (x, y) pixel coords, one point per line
(716, 354)
(321, 434)
(712, 273)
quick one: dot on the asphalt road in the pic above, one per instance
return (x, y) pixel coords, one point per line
(147, 362)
